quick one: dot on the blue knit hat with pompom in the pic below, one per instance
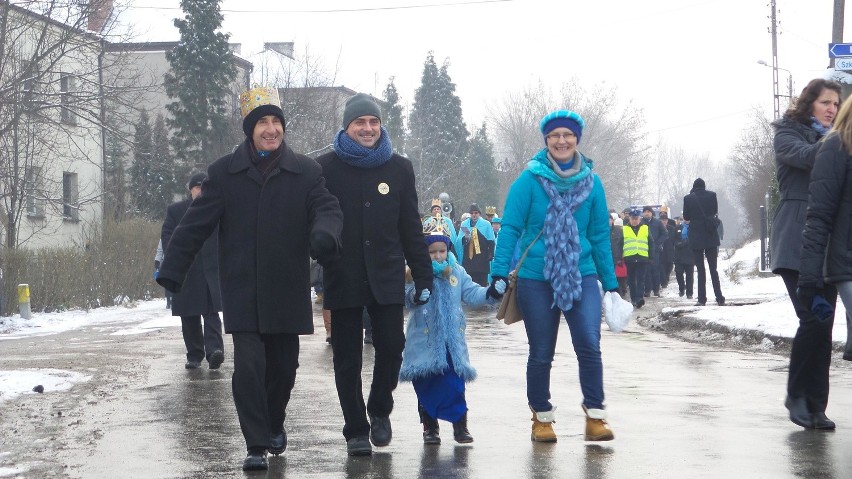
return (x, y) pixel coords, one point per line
(562, 119)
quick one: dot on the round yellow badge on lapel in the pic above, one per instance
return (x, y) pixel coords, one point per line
(384, 188)
(454, 281)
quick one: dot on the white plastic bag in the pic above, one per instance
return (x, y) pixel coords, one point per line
(617, 311)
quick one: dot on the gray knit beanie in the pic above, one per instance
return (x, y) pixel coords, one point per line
(360, 104)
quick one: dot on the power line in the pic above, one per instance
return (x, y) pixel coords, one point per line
(341, 10)
(697, 122)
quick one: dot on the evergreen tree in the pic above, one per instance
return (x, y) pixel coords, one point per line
(199, 83)
(162, 172)
(437, 144)
(115, 180)
(143, 150)
(393, 121)
(484, 182)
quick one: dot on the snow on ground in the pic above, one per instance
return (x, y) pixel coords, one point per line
(763, 305)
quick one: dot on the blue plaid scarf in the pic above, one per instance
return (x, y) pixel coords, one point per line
(353, 154)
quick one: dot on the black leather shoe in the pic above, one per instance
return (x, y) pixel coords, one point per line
(799, 414)
(821, 422)
(701, 303)
(359, 446)
(720, 300)
(216, 359)
(380, 430)
(460, 433)
(256, 460)
(431, 436)
(278, 443)
(192, 364)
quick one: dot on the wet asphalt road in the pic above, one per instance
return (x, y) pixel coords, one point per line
(678, 410)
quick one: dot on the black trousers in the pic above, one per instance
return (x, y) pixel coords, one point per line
(347, 342)
(711, 254)
(684, 276)
(636, 272)
(810, 356)
(201, 342)
(652, 274)
(666, 268)
(264, 374)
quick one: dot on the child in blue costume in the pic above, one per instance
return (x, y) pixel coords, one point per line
(435, 358)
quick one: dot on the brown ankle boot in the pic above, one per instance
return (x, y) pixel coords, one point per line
(597, 428)
(542, 426)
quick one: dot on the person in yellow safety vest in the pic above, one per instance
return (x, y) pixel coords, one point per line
(638, 252)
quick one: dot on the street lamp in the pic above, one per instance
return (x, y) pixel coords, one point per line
(776, 94)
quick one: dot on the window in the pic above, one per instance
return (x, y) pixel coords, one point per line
(70, 208)
(66, 90)
(35, 195)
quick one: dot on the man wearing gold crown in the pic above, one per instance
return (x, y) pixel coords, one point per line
(273, 210)
(381, 232)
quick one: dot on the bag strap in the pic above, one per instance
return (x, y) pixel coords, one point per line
(524, 256)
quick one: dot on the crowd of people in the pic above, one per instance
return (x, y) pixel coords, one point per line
(356, 215)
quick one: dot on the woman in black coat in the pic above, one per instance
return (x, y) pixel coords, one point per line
(797, 137)
(826, 260)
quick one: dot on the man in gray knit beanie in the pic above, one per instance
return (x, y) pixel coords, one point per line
(359, 105)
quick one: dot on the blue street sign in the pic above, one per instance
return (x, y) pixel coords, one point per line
(836, 50)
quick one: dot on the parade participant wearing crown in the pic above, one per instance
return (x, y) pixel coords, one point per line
(437, 215)
(475, 242)
(436, 358)
(273, 210)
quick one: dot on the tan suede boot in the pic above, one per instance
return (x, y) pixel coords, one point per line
(542, 426)
(597, 428)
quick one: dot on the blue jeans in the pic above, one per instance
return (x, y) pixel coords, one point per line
(542, 324)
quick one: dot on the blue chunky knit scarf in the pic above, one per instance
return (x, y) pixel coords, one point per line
(816, 125)
(353, 154)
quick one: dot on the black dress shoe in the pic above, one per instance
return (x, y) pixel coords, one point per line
(278, 443)
(216, 359)
(821, 422)
(256, 460)
(380, 430)
(192, 364)
(799, 413)
(701, 303)
(720, 300)
(359, 446)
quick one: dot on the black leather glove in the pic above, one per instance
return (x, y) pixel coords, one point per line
(806, 295)
(421, 296)
(322, 246)
(492, 290)
(169, 285)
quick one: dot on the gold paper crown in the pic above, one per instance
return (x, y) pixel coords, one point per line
(436, 202)
(258, 96)
(490, 210)
(434, 226)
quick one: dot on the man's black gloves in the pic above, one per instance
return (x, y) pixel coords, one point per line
(169, 285)
(323, 246)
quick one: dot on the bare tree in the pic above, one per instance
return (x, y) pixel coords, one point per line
(54, 97)
(753, 169)
(674, 172)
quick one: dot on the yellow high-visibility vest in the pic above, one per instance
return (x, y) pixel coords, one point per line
(635, 243)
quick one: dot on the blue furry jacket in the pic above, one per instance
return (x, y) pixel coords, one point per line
(438, 327)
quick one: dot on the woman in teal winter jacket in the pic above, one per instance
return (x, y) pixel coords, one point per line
(560, 205)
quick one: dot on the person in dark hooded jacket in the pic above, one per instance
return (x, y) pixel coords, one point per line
(700, 208)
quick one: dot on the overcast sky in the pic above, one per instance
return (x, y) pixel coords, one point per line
(691, 65)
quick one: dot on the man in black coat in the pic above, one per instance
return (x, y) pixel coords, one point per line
(381, 232)
(272, 208)
(700, 208)
(668, 251)
(199, 297)
(659, 235)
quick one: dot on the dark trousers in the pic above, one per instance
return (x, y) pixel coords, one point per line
(264, 374)
(347, 343)
(666, 272)
(684, 276)
(711, 254)
(810, 356)
(201, 342)
(636, 272)
(652, 274)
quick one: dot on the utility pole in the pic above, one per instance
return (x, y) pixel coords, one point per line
(837, 24)
(774, 31)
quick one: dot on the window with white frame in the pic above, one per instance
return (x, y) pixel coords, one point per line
(66, 93)
(70, 194)
(33, 183)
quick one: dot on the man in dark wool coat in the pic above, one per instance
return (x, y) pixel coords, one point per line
(700, 208)
(272, 209)
(381, 232)
(199, 296)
